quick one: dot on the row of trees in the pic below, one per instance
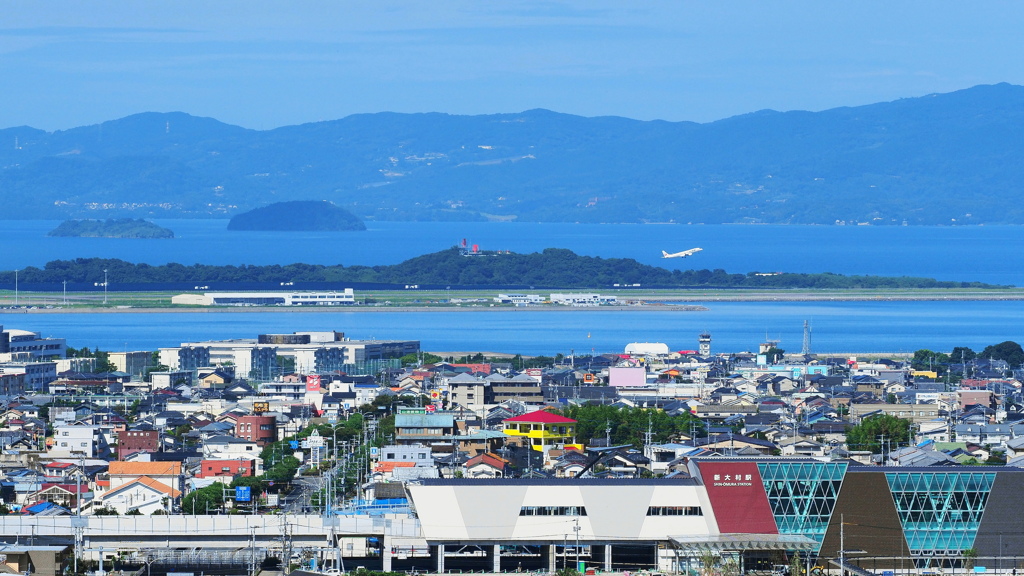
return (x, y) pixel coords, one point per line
(1009, 351)
(624, 425)
(554, 267)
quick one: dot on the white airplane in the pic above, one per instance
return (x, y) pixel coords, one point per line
(682, 254)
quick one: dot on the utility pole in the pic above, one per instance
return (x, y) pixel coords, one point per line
(842, 545)
(104, 286)
(576, 529)
(252, 564)
(65, 282)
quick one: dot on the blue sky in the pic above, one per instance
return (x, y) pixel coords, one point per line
(266, 64)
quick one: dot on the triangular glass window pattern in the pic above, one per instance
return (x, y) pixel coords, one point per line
(802, 495)
(940, 511)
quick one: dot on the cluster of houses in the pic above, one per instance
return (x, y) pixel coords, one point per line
(116, 442)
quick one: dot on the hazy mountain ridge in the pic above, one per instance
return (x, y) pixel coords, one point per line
(927, 160)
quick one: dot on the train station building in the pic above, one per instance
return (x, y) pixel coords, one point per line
(758, 512)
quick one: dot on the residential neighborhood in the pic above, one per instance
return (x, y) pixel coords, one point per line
(313, 424)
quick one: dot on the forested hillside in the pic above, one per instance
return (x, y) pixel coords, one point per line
(939, 159)
(552, 268)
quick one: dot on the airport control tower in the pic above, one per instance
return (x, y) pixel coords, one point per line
(705, 344)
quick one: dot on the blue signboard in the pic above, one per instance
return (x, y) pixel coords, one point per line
(294, 444)
(243, 494)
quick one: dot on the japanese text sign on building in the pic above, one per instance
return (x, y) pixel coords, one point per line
(733, 479)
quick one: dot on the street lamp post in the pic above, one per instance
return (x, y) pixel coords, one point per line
(104, 286)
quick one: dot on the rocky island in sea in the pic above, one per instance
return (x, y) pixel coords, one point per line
(298, 215)
(111, 228)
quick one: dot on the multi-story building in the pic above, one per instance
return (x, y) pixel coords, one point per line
(259, 429)
(542, 430)
(916, 413)
(25, 345)
(481, 394)
(416, 425)
(37, 375)
(169, 378)
(311, 352)
(134, 363)
(133, 441)
(225, 470)
(749, 509)
(74, 440)
(12, 384)
(185, 357)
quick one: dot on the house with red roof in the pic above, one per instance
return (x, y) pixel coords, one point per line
(485, 465)
(541, 430)
(66, 495)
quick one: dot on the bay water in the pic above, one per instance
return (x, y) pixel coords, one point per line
(836, 327)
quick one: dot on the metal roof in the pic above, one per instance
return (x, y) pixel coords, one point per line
(740, 542)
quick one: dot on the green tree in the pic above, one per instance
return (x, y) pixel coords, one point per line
(103, 363)
(961, 354)
(258, 484)
(629, 425)
(868, 435)
(927, 360)
(286, 363)
(774, 354)
(413, 359)
(209, 498)
(970, 556)
(1009, 351)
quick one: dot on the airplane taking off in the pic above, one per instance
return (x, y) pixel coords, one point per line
(682, 254)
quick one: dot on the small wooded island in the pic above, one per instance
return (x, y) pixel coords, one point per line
(111, 228)
(297, 215)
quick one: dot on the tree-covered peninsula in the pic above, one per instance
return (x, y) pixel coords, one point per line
(299, 215)
(552, 268)
(111, 228)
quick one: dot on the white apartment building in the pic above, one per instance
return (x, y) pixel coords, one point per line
(75, 440)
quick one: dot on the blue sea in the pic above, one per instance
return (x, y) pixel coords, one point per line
(993, 254)
(836, 327)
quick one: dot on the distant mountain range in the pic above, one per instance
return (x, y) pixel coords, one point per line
(954, 158)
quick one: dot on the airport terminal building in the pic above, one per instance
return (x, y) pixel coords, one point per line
(758, 510)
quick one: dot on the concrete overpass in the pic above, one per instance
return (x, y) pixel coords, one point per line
(281, 536)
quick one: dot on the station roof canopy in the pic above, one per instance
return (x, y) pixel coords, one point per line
(741, 542)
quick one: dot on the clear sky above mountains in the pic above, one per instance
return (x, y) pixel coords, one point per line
(266, 64)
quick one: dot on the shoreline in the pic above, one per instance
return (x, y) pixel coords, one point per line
(654, 305)
(668, 301)
(355, 309)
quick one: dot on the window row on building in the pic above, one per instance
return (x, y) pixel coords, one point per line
(552, 511)
(674, 511)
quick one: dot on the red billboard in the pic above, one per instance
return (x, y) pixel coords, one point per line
(738, 498)
(313, 383)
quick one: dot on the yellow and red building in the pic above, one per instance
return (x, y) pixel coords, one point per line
(542, 430)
